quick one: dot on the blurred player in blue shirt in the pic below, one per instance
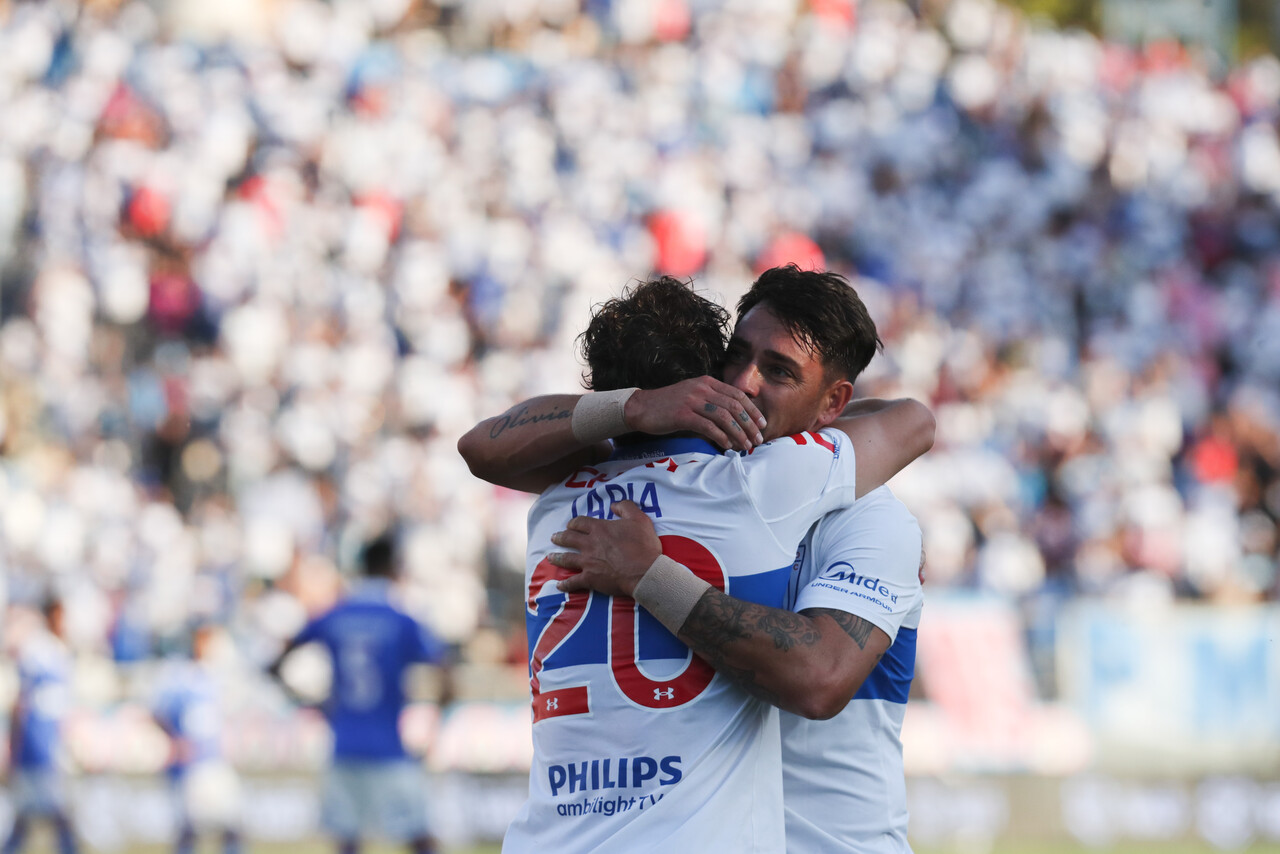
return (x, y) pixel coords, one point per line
(205, 787)
(35, 733)
(374, 785)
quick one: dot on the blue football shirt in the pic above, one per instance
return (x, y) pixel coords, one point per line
(370, 643)
(44, 674)
(187, 706)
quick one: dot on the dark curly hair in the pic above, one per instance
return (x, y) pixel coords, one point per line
(657, 333)
(822, 312)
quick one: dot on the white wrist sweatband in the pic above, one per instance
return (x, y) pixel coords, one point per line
(598, 415)
(669, 590)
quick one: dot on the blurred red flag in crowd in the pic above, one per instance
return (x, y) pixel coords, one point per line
(791, 247)
(1214, 460)
(127, 116)
(672, 20)
(680, 243)
(264, 197)
(840, 12)
(149, 211)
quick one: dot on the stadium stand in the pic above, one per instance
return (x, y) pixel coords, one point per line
(252, 290)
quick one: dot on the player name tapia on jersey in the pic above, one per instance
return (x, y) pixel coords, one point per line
(598, 500)
(625, 772)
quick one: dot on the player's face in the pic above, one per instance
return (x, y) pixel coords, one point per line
(781, 377)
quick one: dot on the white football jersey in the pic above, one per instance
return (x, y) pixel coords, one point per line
(638, 745)
(843, 781)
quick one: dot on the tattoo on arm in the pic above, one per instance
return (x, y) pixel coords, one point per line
(520, 417)
(716, 621)
(853, 626)
(719, 620)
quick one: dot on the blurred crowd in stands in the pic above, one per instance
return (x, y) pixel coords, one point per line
(252, 291)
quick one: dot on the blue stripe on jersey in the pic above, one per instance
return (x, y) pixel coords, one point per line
(891, 680)
(574, 649)
(767, 588)
(584, 646)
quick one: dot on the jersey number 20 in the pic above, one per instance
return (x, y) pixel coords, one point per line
(623, 654)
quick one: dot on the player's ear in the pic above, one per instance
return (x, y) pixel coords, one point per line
(834, 400)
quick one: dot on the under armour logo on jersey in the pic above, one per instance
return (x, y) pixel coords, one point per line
(553, 704)
(667, 694)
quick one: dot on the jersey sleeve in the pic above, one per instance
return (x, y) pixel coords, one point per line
(866, 562)
(802, 477)
(423, 644)
(312, 631)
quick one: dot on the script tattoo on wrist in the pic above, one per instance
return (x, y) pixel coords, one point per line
(521, 418)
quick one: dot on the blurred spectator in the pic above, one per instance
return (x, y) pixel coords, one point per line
(373, 786)
(37, 762)
(205, 788)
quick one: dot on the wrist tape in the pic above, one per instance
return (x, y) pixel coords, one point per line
(669, 590)
(598, 415)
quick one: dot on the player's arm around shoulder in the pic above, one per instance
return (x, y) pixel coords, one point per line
(810, 665)
(530, 446)
(538, 442)
(887, 435)
(792, 481)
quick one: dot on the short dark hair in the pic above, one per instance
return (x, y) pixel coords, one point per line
(378, 557)
(822, 312)
(657, 333)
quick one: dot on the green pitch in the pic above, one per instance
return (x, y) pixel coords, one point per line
(42, 845)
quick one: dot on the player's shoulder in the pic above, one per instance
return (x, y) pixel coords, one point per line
(882, 502)
(790, 473)
(878, 515)
(326, 616)
(822, 445)
(392, 611)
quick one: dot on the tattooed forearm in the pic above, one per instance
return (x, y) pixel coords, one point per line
(716, 621)
(787, 629)
(520, 417)
(853, 626)
(798, 662)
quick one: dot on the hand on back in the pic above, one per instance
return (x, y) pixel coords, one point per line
(611, 556)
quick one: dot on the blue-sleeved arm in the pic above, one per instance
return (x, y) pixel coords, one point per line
(424, 645)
